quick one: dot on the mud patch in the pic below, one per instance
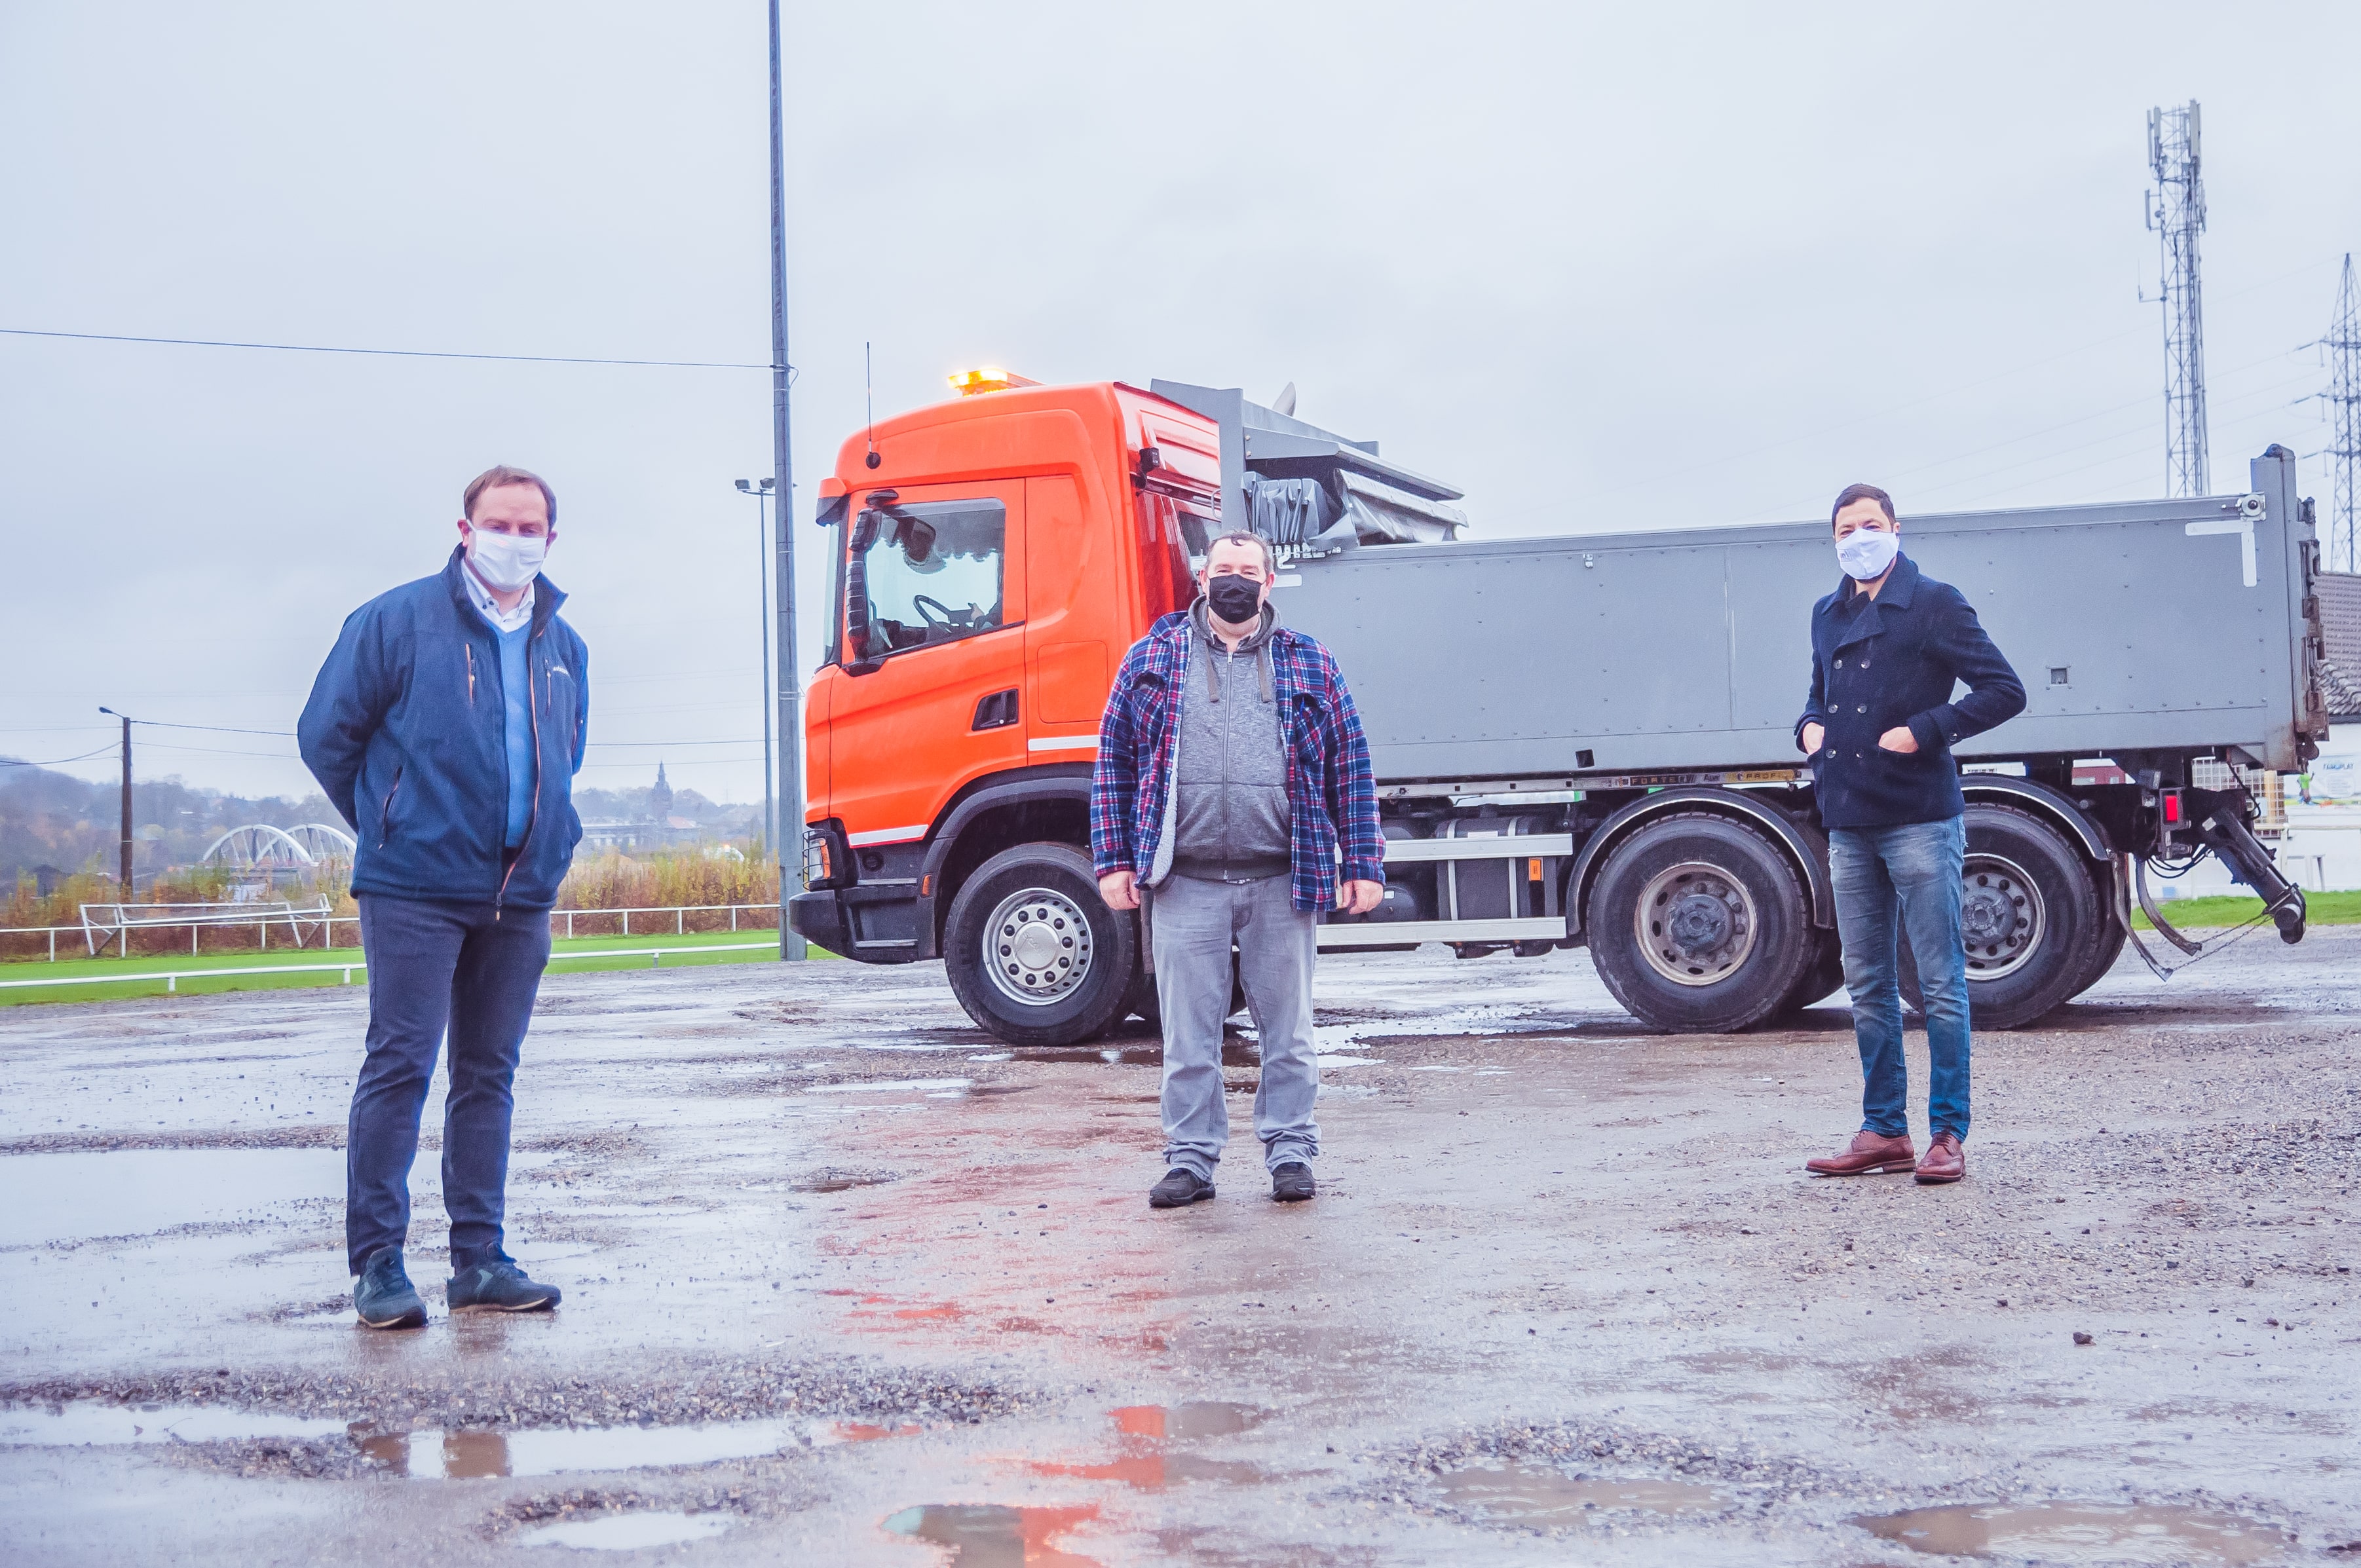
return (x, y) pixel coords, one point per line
(687, 1393)
(836, 1178)
(2076, 1533)
(1529, 1493)
(1675, 1472)
(323, 1137)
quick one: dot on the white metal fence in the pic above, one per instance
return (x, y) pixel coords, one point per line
(197, 917)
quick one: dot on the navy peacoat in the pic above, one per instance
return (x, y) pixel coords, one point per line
(1891, 662)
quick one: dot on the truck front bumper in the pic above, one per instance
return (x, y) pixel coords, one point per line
(819, 919)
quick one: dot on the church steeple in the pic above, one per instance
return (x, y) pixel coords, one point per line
(660, 797)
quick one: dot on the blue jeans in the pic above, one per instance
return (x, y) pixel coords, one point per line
(433, 968)
(1912, 871)
(1192, 925)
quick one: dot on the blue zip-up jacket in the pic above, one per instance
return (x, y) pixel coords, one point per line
(406, 731)
(1890, 662)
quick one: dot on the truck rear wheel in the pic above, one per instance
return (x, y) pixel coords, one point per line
(1698, 924)
(1032, 952)
(2030, 917)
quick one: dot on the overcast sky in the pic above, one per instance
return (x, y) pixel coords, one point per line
(1599, 265)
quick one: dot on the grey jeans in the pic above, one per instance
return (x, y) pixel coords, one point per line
(1193, 925)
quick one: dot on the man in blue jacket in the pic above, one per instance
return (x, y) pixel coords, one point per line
(447, 727)
(1887, 649)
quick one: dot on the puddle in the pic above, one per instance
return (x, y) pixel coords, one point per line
(1529, 1494)
(121, 1192)
(626, 1532)
(433, 1455)
(90, 1421)
(2068, 1533)
(986, 1535)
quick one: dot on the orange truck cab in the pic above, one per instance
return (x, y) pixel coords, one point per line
(991, 571)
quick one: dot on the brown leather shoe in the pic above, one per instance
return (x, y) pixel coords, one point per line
(1869, 1154)
(1944, 1161)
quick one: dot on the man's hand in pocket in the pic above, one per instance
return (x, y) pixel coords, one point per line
(1898, 738)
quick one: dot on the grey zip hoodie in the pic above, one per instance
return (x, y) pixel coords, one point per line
(1227, 818)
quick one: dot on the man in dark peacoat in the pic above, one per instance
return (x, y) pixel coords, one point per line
(1888, 648)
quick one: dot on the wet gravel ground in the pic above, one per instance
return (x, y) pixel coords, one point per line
(848, 1281)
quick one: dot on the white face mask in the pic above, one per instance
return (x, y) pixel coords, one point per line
(1865, 553)
(509, 562)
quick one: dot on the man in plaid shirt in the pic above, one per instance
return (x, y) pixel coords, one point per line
(1233, 788)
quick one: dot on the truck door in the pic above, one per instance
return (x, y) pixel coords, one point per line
(933, 654)
(1075, 638)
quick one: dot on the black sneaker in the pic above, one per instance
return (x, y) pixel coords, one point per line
(1291, 1182)
(498, 1285)
(1180, 1187)
(383, 1295)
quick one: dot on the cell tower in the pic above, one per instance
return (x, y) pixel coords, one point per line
(2176, 211)
(2344, 345)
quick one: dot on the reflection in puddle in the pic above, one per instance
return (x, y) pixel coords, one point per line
(1146, 1429)
(432, 1456)
(623, 1532)
(1529, 1493)
(93, 1421)
(984, 1535)
(2065, 1533)
(1196, 1419)
(73, 1193)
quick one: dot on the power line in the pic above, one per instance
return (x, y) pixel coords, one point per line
(19, 763)
(383, 353)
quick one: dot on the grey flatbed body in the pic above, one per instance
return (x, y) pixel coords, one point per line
(2168, 625)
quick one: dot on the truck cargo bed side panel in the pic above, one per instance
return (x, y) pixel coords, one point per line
(2133, 625)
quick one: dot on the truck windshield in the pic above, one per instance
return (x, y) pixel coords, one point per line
(923, 573)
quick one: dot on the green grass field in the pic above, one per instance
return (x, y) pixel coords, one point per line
(2208, 913)
(107, 980)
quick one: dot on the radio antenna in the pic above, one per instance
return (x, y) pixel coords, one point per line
(869, 376)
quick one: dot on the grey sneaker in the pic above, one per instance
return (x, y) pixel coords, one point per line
(1291, 1182)
(498, 1285)
(1180, 1187)
(383, 1295)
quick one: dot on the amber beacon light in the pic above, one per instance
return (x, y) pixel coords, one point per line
(986, 378)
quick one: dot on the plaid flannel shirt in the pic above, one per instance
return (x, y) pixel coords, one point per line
(1331, 795)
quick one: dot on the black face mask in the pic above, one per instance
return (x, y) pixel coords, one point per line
(1234, 599)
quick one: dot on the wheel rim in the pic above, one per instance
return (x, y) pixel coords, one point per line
(2001, 917)
(1037, 946)
(1696, 923)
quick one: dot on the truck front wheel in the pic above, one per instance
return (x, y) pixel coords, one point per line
(1697, 924)
(1032, 952)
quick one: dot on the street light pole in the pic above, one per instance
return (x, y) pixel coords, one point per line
(761, 491)
(790, 737)
(123, 890)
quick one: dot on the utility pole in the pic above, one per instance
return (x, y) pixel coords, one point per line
(790, 742)
(123, 889)
(761, 491)
(2344, 345)
(2176, 211)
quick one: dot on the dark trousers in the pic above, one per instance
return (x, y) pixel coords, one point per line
(434, 967)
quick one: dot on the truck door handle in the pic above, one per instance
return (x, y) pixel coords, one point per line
(997, 711)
